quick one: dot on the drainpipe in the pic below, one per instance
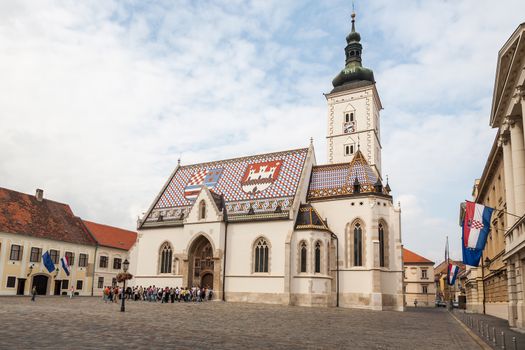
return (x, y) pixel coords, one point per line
(225, 218)
(334, 236)
(94, 265)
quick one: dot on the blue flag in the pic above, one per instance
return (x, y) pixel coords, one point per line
(48, 263)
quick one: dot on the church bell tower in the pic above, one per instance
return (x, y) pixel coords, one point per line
(353, 109)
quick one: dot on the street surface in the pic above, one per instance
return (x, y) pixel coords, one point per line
(84, 322)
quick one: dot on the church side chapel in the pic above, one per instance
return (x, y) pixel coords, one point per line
(277, 227)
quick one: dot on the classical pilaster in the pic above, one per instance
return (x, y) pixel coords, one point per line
(504, 142)
(518, 163)
(512, 305)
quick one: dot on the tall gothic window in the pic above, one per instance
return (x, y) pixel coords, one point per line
(381, 246)
(202, 209)
(262, 252)
(318, 257)
(303, 256)
(358, 245)
(165, 258)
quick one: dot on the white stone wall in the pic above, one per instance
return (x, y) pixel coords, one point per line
(365, 104)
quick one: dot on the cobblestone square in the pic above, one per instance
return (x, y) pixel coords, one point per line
(81, 323)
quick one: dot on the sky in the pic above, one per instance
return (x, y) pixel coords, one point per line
(99, 99)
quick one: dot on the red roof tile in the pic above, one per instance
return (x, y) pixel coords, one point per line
(409, 257)
(23, 214)
(110, 236)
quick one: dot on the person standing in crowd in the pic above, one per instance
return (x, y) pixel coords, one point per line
(71, 291)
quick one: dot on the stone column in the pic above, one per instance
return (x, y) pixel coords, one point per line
(504, 142)
(518, 164)
(512, 305)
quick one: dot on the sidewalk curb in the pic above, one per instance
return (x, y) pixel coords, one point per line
(473, 335)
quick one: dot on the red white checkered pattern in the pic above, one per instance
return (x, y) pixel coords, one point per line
(229, 184)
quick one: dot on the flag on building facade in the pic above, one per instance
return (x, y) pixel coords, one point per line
(476, 226)
(452, 273)
(48, 263)
(65, 265)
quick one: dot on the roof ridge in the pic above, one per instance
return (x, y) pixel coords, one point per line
(244, 157)
(96, 223)
(33, 196)
(419, 256)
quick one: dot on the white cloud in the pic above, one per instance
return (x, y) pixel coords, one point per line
(99, 99)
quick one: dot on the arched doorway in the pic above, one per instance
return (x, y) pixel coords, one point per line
(201, 263)
(40, 282)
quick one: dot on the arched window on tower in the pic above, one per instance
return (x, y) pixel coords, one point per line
(303, 256)
(317, 257)
(261, 254)
(202, 209)
(381, 232)
(165, 258)
(358, 245)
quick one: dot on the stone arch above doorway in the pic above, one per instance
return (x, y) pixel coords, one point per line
(203, 268)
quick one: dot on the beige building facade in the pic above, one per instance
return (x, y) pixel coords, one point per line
(488, 292)
(418, 280)
(507, 115)
(277, 227)
(33, 225)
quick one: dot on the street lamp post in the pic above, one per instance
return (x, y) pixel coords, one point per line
(125, 266)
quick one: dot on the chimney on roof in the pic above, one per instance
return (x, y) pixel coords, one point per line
(39, 194)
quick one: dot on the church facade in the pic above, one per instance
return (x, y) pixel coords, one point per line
(277, 227)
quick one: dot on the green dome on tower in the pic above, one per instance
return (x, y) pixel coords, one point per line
(354, 73)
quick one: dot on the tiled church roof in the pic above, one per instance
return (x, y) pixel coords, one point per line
(23, 214)
(309, 219)
(266, 183)
(334, 180)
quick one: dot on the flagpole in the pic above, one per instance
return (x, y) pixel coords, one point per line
(447, 258)
(503, 211)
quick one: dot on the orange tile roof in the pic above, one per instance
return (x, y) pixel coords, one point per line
(23, 214)
(110, 236)
(409, 257)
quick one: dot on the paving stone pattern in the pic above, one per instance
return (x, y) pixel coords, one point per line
(85, 322)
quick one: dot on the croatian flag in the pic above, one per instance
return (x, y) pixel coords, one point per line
(65, 265)
(452, 273)
(476, 226)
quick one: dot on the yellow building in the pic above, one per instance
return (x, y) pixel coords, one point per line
(488, 291)
(418, 279)
(507, 115)
(31, 226)
(444, 292)
(113, 246)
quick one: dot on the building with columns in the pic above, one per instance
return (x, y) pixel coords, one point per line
(486, 285)
(508, 111)
(277, 227)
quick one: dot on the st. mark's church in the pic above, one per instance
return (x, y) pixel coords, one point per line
(277, 227)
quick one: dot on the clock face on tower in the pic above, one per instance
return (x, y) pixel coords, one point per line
(349, 127)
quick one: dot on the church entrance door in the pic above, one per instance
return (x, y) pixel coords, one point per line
(201, 263)
(207, 280)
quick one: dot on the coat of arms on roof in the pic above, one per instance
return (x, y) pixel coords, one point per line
(203, 177)
(260, 176)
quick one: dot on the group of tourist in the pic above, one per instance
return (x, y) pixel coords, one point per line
(156, 294)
